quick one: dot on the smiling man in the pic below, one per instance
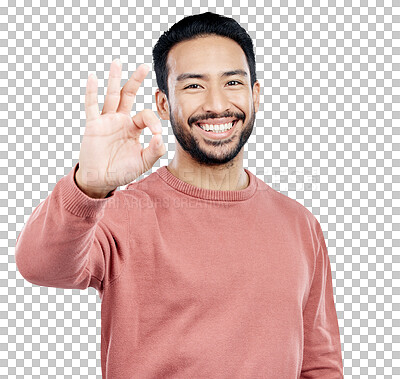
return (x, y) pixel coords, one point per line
(204, 270)
(211, 104)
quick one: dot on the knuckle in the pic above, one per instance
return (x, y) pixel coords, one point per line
(136, 77)
(149, 117)
(112, 92)
(128, 91)
(148, 113)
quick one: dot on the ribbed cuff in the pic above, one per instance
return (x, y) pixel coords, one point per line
(76, 201)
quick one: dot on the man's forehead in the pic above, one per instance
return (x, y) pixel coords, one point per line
(202, 57)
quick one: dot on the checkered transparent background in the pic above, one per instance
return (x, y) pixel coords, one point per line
(327, 135)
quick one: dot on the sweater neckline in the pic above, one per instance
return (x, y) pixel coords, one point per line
(208, 194)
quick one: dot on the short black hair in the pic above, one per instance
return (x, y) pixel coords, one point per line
(195, 26)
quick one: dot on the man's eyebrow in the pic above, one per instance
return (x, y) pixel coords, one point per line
(185, 76)
(234, 72)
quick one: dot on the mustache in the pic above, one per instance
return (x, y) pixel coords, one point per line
(195, 119)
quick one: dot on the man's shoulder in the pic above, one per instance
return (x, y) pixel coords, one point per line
(286, 206)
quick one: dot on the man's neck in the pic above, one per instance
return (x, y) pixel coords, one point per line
(229, 179)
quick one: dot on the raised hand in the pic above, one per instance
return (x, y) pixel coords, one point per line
(111, 154)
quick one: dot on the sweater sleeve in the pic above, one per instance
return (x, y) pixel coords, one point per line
(322, 356)
(62, 244)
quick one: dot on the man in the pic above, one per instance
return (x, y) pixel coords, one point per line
(204, 270)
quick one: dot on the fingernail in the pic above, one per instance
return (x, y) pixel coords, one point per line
(92, 74)
(118, 62)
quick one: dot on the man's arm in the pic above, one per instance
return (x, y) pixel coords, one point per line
(62, 244)
(322, 357)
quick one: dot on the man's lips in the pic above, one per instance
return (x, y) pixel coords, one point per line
(216, 121)
(218, 135)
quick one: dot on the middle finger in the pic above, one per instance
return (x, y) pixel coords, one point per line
(113, 88)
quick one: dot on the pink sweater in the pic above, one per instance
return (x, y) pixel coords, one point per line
(194, 283)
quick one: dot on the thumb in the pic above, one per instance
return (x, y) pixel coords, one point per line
(155, 150)
(159, 147)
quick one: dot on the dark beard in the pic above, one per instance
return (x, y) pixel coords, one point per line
(191, 145)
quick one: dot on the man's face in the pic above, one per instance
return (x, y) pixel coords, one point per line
(220, 93)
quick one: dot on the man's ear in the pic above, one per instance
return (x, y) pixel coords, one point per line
(256, 96)
(162, 105)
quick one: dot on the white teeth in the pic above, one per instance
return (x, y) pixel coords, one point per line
(217, 128)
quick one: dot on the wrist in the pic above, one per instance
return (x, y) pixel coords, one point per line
(91, 193)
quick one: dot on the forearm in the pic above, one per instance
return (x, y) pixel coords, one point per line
(54, 245)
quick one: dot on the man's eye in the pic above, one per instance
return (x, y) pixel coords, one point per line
(191, 86)
(196, 86)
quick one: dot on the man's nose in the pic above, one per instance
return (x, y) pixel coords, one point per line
(216, 101)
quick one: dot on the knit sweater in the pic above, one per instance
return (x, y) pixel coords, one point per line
(194, 283)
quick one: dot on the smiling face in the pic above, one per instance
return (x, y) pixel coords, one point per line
(208, 84)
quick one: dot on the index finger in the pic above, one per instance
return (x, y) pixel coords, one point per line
(91, 104)
(131, 87)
